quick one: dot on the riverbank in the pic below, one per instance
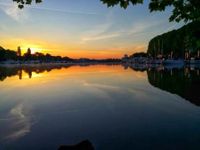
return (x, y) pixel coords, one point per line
(57, 64)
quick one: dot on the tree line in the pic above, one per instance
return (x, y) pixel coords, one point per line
(10, 55)
(6, 55)
(177, 42)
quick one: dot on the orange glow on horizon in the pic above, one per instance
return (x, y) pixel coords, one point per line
(82, 73)
(73, 51)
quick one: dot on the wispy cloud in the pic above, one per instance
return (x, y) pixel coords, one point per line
(14, 12)
(144, 25)
(172, 27)
(98, 29)
(100, 37)
(14, 5)
(100, 32)
(63, 11)
(105, 31)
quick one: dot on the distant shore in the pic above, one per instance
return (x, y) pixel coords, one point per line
(58, 63)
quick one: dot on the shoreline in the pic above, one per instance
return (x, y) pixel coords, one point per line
(57, 64)
(67, 64)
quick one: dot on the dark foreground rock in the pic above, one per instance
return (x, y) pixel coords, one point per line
(84, 145)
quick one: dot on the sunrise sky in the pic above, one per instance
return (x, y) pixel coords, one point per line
(80, 28)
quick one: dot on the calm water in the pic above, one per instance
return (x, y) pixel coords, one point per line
(115, 107)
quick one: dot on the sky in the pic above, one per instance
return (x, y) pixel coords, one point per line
(81, 28)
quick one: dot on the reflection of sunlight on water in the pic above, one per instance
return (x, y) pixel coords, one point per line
(41, 74)
(32, 75)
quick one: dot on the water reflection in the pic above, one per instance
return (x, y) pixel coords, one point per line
(183, 81)
(9, 71)
(114, 107)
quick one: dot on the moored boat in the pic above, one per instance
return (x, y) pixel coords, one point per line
(173, 61)
(194, 61)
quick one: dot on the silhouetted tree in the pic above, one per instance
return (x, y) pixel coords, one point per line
(28, 51)
(141, 54)
(27, 55)
(19, 51)
(2, 53)
(7, 54)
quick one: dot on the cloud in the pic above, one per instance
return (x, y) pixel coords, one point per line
(98, 29)
(63, 11)
(106, 30)
(100, 37)
(143, 26)
(14, 12)
(100, 32)
(11, 4)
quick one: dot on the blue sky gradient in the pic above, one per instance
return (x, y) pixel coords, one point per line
(81, 28)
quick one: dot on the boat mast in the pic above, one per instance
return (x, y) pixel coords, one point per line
(158, 46)
(171, 54)
(154, 48)
(162, 47)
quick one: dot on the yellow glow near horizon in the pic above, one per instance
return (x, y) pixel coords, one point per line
(34, 49)
(71, 50)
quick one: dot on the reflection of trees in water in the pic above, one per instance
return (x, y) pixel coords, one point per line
(184, 82)
(13, 71)
(29, 69)
(7, 72)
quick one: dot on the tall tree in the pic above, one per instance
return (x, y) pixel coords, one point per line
(186, 10)
(19, 52)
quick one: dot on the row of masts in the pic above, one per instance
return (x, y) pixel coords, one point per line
(160, 49)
